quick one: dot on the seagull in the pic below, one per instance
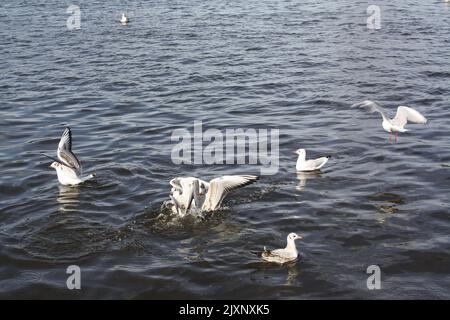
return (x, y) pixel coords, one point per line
(185, 194)
(309, 165)
(191, 193)
(67, 166)
(282, 256)
(397, 124)
(124, 19)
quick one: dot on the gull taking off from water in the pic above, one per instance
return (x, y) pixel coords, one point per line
(397, 124)
(124, 19)
(67, 166)
(281, 256)
(309, 165)
(192, 193)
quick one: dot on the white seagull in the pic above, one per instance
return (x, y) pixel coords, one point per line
(309, 165)
(192, 193)
(124, 19)
(67, 166)
(397, 124)
(281, 256)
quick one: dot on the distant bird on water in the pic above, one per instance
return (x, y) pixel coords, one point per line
(124, 19)
(285, 255)
(67, 166)
(397, 124)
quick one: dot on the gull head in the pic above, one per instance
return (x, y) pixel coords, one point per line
(300, 152)
(293, 236)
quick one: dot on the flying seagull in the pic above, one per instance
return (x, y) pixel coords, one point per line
(397, 124)
(285, 255)
(67, 166)
(191, 193)
(309, 165)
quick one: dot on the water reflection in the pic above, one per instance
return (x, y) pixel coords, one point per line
(293, 271)
(304, 176)
(68, 198)
(387, 204)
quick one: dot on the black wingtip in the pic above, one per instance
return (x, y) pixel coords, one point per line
(51, 158)
(328, 157)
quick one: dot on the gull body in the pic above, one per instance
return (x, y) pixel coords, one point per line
(287, 254)
(309, 165)
(124, 19)
(68, 176)
(397, 124)
(193, 194)
(68, 167)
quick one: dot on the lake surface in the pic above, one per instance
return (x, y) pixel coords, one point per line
(296, 66)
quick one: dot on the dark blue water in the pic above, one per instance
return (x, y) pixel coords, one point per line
(295, 66)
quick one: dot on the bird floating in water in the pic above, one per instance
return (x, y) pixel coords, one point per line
(67, 166)
(285, 255)
(124, 19)
(397, 124)
(193, 194)
(309, 165)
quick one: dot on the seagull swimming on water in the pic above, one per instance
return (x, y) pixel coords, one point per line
(397, 124)
(67, 166)
(191, 193)
(309, 165)
(285, 255)
(124, 19)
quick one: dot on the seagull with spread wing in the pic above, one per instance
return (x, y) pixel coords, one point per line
(195, 194)
(397, 124)
(67, 166)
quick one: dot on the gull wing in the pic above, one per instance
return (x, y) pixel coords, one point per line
(279, 253)
(57, 160)
(405, 114)
(65, 153)
(277, 256)
(175, 182)
(192, 187)
(188, 187)
(371, 107)
(220, 187)
(314, 164)
(176, 204)
(319, 162)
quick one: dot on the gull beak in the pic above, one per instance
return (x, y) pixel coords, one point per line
(299, 237)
